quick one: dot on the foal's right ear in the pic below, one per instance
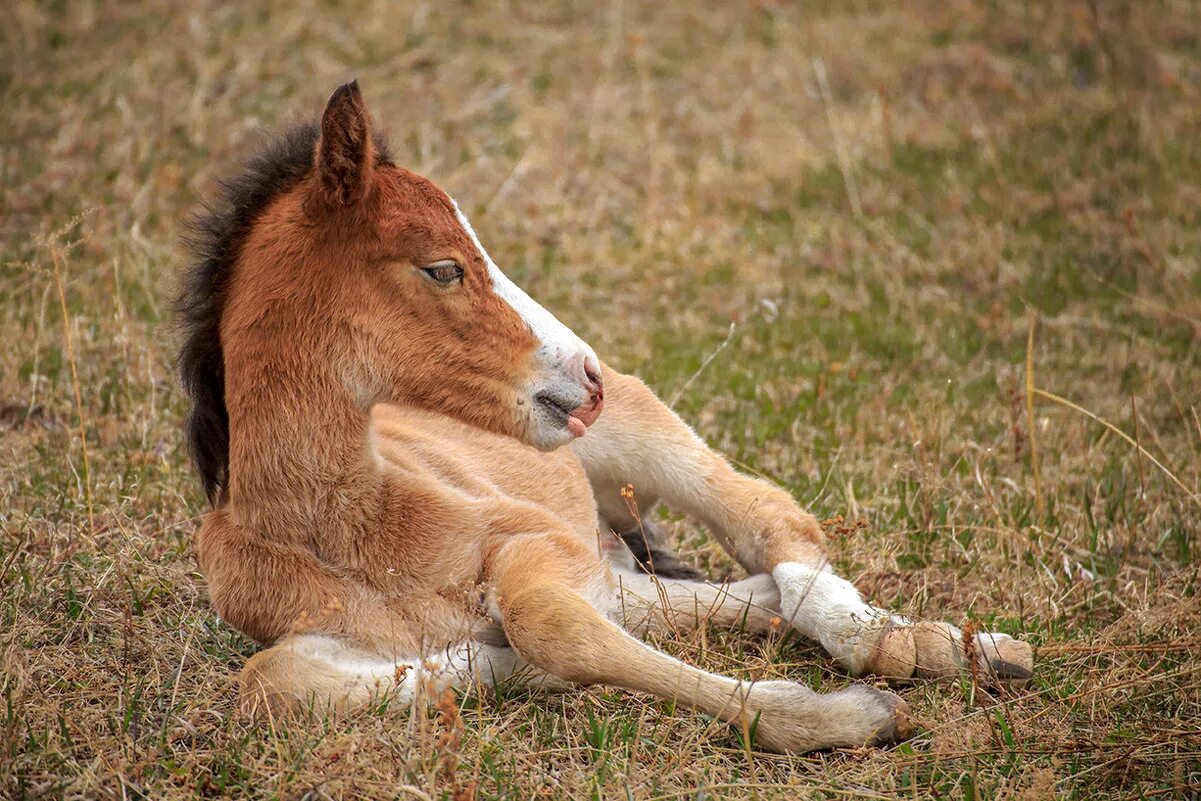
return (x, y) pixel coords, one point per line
(346, 152)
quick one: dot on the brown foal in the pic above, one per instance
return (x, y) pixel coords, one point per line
(409, 465)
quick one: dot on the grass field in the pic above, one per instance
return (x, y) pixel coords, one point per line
(933, 266)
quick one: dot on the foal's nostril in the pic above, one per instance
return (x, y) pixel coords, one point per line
(593, 373)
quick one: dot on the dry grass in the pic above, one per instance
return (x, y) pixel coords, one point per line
(882, 201)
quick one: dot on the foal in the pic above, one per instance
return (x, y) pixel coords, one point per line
(409, 466)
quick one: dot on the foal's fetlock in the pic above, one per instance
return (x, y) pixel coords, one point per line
(894, 653)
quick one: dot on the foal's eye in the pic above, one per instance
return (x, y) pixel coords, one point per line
(444, 272)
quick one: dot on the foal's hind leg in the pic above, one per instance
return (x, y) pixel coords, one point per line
(639, 441)
(658, 604)
(754, 605)
(334, 642)
(321, 672)
(548, 588)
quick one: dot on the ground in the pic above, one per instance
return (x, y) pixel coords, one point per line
(931, 266)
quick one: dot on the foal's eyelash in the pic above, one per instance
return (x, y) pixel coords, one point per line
(444, 272)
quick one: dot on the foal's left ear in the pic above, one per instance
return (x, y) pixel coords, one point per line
(346, 152)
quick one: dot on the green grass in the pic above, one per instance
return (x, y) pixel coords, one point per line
(671, 182)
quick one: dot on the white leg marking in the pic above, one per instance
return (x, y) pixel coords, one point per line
(462, 666)
(358, 669)
(828, 609)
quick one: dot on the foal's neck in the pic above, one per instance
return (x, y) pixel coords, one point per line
(302, 461)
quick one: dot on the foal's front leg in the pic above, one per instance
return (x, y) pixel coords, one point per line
(548, 589)
(639, 441)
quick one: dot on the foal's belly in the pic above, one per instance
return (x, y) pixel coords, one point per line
(481, 464)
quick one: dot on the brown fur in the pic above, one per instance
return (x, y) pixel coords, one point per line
(379, 506)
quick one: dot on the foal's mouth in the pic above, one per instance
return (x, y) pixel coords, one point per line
(575, 418)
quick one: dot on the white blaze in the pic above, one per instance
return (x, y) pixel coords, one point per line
(556, 340)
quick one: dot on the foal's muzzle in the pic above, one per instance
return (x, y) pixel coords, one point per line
(569, 402)
(574, 399)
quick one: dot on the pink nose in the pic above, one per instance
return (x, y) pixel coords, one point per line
(591, 410)
(585, 415)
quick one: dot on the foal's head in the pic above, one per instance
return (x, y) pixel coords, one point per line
(369, 278)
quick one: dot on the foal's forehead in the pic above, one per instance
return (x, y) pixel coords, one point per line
(417, 194)
(420, 204)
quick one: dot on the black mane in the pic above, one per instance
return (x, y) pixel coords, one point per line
(217, 234)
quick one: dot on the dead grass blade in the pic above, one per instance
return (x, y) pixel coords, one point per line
(1191, 494)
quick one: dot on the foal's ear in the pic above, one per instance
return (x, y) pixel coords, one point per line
(346, 152)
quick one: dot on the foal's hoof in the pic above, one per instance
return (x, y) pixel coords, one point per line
(793, 719)
(645, 542)
(1008, 660)
(939, 652)
(901, 726)
(942, 652)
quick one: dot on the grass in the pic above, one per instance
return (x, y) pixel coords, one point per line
(856, 262)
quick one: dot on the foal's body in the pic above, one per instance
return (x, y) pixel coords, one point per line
(505, 522)
(394, 438)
